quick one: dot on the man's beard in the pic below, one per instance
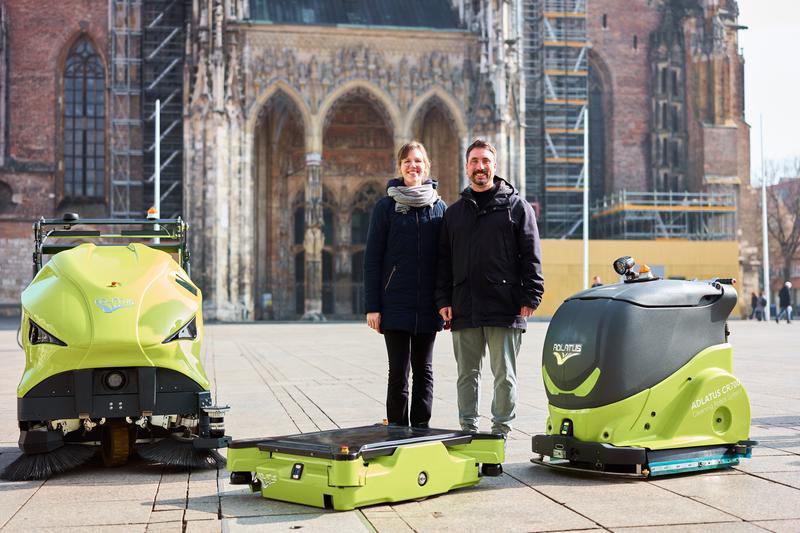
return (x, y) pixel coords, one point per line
(474, 177)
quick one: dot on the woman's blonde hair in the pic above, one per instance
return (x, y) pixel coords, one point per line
(402, 153)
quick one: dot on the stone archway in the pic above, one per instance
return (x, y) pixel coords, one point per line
(360, 210)
(357, 155)
(435, 128)
(279, 174)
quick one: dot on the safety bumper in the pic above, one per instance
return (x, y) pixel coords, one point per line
(597, 454)
(84, 393)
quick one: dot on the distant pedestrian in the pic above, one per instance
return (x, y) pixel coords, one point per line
(596, 281)
(785, 303)
(753, 305)
(761, 307)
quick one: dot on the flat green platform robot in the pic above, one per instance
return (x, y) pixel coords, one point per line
(112, 335)
(639, 379)
(343, 469)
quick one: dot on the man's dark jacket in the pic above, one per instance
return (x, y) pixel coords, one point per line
(490, 260)
(784, 298)
(400, 265)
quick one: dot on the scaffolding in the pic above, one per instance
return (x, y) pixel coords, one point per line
(534, 103)
(565, 101)
(126, 106)
(163, 49)
(556, 70)
(665, 215)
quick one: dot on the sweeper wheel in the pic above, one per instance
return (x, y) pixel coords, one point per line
(492, 470)
(116, 443)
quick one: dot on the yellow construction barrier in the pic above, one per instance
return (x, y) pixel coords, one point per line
(562, 263)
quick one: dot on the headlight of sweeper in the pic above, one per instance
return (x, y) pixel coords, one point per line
(114, 380)
(187, 332)
(38, 335)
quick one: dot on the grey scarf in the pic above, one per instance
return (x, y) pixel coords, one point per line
(407, 197)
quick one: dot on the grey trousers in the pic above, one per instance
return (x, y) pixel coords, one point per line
(469, 346)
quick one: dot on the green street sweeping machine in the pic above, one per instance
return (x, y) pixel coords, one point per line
(112, 335)
(639, 380)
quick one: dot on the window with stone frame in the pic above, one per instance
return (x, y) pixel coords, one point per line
(84, 123)
(361, 210)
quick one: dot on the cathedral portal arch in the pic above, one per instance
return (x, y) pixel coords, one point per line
(279, 172)
(384, 103)
(446, 100)
(357, 160)
(292, 94)
(435, 123)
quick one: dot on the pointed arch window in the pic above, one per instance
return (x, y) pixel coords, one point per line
(84, 123)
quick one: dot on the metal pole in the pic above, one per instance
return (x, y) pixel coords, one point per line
(764, 232)
(586, 198)
(157, 180)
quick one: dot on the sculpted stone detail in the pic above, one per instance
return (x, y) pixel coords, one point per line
(315, 76)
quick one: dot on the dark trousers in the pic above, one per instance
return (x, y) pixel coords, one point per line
(415, 352)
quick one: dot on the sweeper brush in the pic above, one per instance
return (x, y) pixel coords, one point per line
(639, 379)
(179, 451)
(112, 331)
(43, 465)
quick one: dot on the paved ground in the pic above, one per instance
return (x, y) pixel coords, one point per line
(287, 378)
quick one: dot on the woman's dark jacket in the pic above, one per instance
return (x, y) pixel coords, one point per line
(490, 260)
(400, 265)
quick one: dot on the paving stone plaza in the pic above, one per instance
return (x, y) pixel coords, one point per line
(289, 378)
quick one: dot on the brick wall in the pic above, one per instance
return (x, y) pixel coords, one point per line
(39, 35)
(15, 264)
(750, 248)
(720, 151)
(630, 75)
(39, 40)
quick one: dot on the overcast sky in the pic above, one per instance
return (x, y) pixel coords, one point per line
(771, 47)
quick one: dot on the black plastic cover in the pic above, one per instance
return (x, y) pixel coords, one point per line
(637, 334)
(31, 442)
(588, 452)
(75, 392)
(655, 293)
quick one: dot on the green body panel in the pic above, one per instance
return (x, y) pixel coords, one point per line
(355, 483)
(72, 294)
(702, 404)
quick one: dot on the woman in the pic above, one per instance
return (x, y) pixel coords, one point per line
(399, 279)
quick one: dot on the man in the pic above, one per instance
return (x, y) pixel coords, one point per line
(489, 281)
(596, 281)
(762, 305)
(785, 302)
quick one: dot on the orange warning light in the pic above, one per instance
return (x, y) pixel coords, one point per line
(644, 269)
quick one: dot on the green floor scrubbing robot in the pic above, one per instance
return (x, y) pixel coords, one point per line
(112, 335)
(639, 380)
